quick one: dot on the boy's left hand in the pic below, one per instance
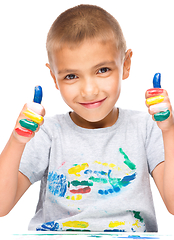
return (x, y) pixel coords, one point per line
(158, 102)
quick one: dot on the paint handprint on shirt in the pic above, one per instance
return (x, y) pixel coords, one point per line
(83, 178)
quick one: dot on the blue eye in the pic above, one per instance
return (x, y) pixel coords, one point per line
(71, 76)
(103, 70)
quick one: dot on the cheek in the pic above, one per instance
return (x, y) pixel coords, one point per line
(113, 87)
(67, 92)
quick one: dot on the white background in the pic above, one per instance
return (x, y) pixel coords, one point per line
(148, 29)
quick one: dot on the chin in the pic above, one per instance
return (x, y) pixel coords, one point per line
(93, 118)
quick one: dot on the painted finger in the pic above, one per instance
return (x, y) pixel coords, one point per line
(160, 107)
(161, 110)
(28, 127)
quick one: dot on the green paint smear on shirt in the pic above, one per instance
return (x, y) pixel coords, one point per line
(102, 180)
(128, 162)
(82, 183)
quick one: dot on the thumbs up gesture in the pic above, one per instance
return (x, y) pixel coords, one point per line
(30, 118)
(159, 105)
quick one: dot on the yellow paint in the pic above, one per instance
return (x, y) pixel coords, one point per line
(115, 224)
(33, 116)
(111, 165)
(79, 197)
(73, 198)
(77, 169)
(105, 164)
(136, 224)
(119, 169)
(98, 162)
(154, 100)
(75, 224)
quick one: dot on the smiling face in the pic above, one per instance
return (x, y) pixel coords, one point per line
(89, 79)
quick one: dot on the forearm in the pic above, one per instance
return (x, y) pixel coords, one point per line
(9, 166)
(168, 180)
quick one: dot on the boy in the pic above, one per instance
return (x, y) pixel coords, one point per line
(93, 162)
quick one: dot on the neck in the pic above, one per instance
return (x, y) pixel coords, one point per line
(108, 121)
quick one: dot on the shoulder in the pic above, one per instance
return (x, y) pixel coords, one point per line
(134, 114)
(52, 125)
(136, 117)
(140, 122)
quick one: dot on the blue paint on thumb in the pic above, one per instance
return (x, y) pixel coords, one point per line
(157, 80)
(38, 94)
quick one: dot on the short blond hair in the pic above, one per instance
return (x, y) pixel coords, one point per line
(84, 22)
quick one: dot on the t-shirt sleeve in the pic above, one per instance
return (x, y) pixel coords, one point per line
(35, 158)
(154, 145)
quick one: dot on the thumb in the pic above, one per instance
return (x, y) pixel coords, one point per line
(157, 80)
(38, 94)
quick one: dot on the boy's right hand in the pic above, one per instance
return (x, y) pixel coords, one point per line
(30, 119)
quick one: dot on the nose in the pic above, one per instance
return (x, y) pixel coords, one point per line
(89, 89)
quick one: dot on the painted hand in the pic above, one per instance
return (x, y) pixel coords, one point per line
(159, 105)
(30, 118)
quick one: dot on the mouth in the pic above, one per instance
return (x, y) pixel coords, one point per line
(95, 104)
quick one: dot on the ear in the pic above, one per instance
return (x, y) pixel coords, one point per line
(127, 64)
(52, 75)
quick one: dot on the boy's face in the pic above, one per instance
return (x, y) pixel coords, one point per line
(89, 79)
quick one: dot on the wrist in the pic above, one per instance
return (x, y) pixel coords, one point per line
(169, 132)
(17, 140)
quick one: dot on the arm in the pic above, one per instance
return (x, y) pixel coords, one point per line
(163, 174)
(13, 184)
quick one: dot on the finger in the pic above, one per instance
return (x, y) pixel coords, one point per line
(38, 94)
(160, 110)
(156, 90)
(154, 100)
(157, 80)
(160, 107)
(30, 113)
(27, 127)
(161, 116)
(37, 108)
(33, 116)
(23, 132)
(28, 124)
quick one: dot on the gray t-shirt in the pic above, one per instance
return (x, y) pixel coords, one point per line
(94, 179)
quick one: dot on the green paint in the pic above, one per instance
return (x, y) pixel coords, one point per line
(98, 180)
(115, 181)
(81, 183)
(161, 116)
(130, 164)
(28, 124)
(137, 215)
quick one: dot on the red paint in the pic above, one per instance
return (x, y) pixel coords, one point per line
(81, 190)
(154, 91)
(24, 132)
(61, 165)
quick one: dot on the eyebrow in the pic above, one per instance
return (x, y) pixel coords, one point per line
(67, 71)
(104, 63)
(64, 71)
